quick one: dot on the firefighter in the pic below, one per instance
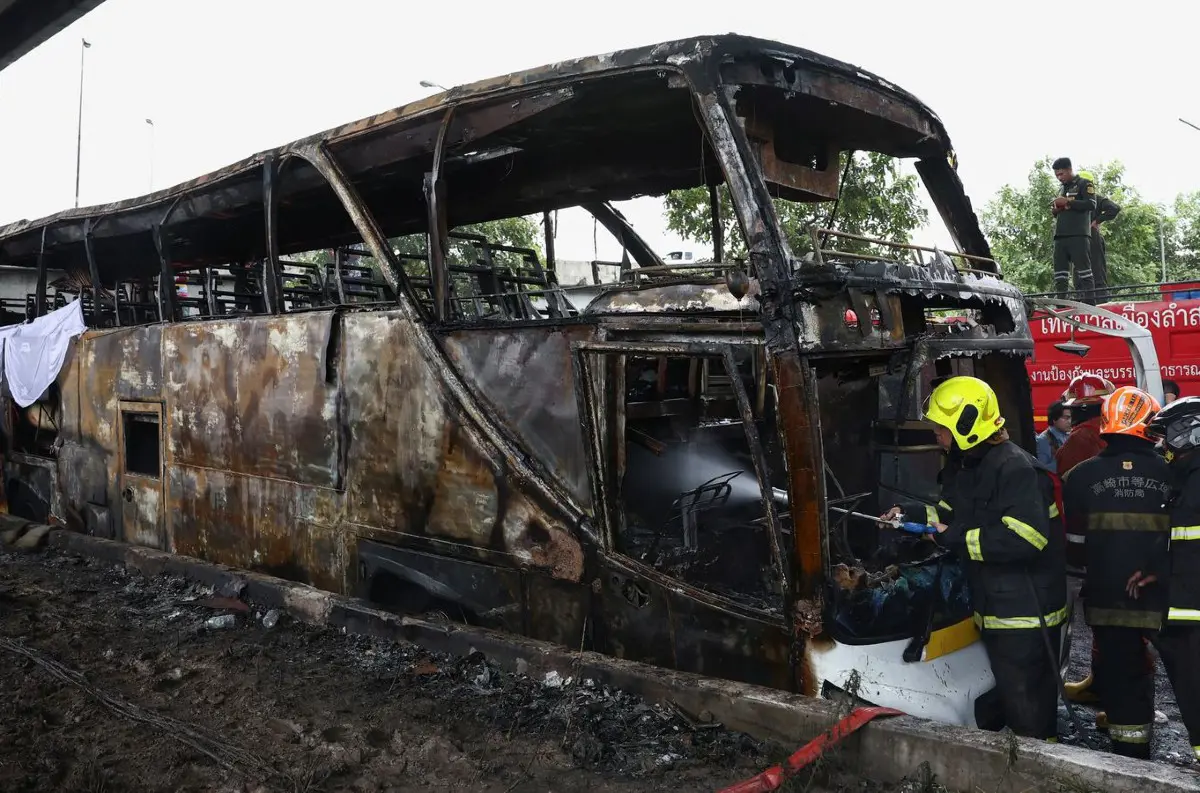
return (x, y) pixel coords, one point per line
(1177, 426)
(1083, 396)
(996, 506)
(1106, 211)
(1118, 496)
(1072, 211)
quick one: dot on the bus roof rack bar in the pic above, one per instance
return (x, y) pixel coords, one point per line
(814, 232)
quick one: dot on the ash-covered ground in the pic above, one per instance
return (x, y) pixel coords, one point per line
(115, 682)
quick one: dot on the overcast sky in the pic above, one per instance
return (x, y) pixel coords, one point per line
(223, 79)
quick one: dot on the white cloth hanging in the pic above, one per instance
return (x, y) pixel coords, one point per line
(34, 353)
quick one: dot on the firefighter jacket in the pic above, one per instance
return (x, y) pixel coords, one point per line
(1184, 585)
(1118, 499)
(1083, 443)
(999, 505)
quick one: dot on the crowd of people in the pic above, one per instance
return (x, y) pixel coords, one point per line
(1115, 492)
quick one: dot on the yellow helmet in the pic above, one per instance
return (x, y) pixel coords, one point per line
(967, 407)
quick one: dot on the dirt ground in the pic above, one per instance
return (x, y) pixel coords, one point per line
(113, 682)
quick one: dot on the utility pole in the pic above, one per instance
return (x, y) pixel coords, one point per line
(79, 128)
(150, 123)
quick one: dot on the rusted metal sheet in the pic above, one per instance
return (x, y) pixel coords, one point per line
(139, 456)
(139, 355)
(526, 376)
(283, 528)
(108, 366)
(254, 396)
(418, 468)
(143, 514)
(395, 419)
(68, 389)
(802, 441)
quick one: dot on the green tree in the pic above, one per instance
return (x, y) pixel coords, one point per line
(876, 201)
(1183, 257)
(1021, 229)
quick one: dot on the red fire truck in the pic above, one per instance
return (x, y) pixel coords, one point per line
(1171, 312)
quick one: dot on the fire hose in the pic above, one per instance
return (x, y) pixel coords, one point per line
(774, 777)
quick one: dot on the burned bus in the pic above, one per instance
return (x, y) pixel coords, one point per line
(419, 416)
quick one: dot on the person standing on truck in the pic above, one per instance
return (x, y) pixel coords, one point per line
(1117, 499)
(1083, 396)
(1177, 428)
(994, 512)
(1106, 210)
(1072, 211)
(1050, 440)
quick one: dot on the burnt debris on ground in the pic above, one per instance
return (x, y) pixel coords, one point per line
(115, 682)
(119, 682)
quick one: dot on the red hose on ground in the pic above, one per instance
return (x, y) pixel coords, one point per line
(775, 776)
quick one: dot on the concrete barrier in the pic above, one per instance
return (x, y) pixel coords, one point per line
(888, 750)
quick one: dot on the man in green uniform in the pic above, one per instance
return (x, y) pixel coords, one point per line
(1106, 211)
(1073, 210)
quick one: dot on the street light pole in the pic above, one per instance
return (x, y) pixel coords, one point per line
(79, 128)
(1190, 124)
(150, 123)
(428, 84)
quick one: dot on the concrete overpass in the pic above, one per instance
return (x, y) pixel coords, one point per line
(24, 24)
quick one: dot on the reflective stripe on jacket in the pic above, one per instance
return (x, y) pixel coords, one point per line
(1003, 522)
(1184, 586)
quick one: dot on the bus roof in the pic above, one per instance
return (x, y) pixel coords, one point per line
(874, 115)
(25, 24)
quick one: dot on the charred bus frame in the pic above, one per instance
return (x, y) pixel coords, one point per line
(434, 432)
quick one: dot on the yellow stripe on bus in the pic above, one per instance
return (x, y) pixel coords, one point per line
(951, 639)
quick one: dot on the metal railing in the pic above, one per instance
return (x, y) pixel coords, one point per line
(915, 252)
(635, 274)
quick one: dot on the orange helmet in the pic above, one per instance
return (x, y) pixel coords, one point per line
(1087, 389)
(1127, 411)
